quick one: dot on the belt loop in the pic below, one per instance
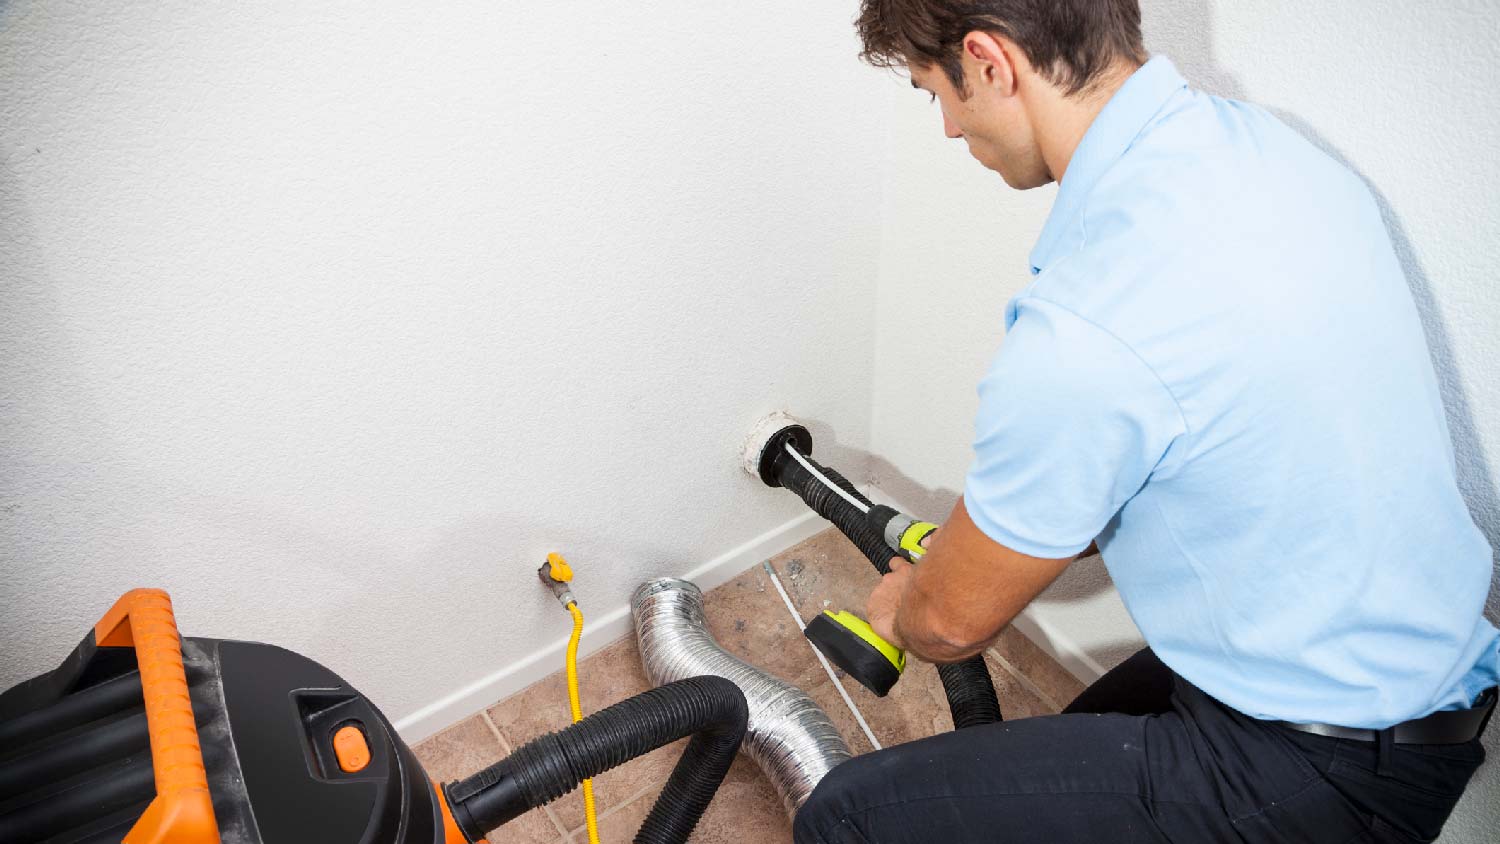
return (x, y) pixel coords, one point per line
(1487, 700)
(1385, 740)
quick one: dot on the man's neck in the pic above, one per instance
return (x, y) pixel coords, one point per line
(1061, 121)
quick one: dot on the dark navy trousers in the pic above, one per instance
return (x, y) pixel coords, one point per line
(1141, 756)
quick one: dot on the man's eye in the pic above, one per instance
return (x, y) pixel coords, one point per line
(931, 97)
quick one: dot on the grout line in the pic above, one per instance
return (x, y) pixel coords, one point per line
(494, 728)
(604, 815)
(786, 599)
(1025, 681)
(505, 745)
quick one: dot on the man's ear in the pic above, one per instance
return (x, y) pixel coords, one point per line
(991, 62)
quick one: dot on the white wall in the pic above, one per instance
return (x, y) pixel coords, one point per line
(334, 318)
(1403, 92)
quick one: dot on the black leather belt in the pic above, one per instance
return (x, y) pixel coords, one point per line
(1449, 727)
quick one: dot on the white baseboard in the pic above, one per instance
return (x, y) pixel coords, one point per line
(1033, 624)
(603, 629)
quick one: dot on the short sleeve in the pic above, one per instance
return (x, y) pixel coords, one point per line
(1071, 424)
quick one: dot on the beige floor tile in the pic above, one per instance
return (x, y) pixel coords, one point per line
(460, 750)
(745, 809)
(467, 747)
(1018, 699)
(1051, 679)
(620, 823)
(917, 706)
(530, 828)
(748, 618)
(605, 678)
(826, 573)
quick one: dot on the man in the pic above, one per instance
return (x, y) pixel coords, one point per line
(1218, 376)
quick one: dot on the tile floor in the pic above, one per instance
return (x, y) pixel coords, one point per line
(748, 618)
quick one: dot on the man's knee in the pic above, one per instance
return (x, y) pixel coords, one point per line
(821, 818)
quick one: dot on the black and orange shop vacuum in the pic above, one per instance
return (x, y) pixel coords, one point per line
(145, 737)
(142, 736)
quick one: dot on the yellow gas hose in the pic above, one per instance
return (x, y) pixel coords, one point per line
(588, 784)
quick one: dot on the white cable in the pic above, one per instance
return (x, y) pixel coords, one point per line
(786, 599)
(858, 505)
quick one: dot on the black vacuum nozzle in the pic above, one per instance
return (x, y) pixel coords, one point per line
(773, 453)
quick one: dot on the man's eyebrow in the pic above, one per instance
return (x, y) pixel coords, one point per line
(915, 85)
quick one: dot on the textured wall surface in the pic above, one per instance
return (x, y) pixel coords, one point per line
(333, 318)
(1404, 93)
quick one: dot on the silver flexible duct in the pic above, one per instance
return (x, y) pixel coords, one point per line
(790, 737)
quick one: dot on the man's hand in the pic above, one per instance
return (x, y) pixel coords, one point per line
(885, 601)
(963, 593)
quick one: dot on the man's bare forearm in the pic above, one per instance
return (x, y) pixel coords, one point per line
(929, 636)
(967, 588)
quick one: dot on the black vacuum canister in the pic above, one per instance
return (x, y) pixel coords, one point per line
(143, 736)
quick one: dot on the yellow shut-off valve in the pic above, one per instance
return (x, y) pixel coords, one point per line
(558, 568)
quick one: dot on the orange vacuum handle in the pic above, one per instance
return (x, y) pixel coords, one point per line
(183, 811)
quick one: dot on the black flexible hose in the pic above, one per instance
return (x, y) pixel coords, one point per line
(710, 709)
(832, 506)
(971, 693)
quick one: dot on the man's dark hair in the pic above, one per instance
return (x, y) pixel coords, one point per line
(1071, 43)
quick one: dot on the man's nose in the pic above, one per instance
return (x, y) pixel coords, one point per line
(950, 128)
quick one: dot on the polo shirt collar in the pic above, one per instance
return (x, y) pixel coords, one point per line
(1111, 133)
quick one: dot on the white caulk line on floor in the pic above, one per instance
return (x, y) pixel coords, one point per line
(848, 701)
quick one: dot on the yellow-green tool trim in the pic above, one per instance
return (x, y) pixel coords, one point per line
(848, 642)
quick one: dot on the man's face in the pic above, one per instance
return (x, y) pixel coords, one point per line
(997, 129)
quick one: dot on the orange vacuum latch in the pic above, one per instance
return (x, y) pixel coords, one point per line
(183, 811)
(352, 750)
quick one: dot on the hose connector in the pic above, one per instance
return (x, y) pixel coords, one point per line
(903, 534)
(556, 574)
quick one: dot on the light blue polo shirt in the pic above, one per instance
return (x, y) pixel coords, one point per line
(1218, 371)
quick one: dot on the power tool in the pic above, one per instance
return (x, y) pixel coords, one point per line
(780, 446)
